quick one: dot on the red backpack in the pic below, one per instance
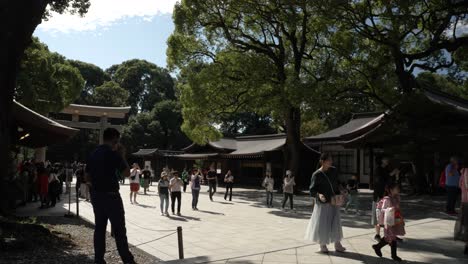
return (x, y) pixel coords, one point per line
(442, 179)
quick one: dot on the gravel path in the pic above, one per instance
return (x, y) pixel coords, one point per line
(55, 240)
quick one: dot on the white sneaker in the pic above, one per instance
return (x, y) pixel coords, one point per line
(162, 214)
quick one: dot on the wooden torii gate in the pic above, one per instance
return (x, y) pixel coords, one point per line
(103, 112)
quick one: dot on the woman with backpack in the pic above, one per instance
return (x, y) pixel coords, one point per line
(389, 216)
(195, 183)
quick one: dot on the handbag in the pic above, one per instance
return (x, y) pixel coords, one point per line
(336, 200)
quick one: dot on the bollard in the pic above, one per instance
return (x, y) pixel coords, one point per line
(181, 242)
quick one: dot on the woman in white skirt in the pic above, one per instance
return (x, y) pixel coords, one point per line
(325, 223)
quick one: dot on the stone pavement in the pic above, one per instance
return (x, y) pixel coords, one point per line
(245, 231)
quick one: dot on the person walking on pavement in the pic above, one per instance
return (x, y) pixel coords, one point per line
(163, 191)
(185, 178)
(146, 179)
(212, 181)
(175, 186)
(229, 180)
(389, 216)
(269, 185)
(195, 184)
(325, 223)
(452, 184)
(382, 177)
(288, 189)
(134, 182)
(107, 204)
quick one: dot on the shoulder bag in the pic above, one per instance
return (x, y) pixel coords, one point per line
(336, 200)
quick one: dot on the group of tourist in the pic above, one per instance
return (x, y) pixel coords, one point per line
(43, 181)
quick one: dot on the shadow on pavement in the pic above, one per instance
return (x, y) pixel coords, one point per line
(210, 212)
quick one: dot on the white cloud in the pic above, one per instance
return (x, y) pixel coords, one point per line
(104, 13)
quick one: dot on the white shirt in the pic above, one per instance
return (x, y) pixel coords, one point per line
(175, 184)
(269, 184)
(136, 173)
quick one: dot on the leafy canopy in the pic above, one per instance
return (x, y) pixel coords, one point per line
(47, 82)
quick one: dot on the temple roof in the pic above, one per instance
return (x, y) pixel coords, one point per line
(239, 147)
(36, 130)
(93, 110)
(359, 123)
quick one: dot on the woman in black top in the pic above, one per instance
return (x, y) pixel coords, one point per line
(325, 223)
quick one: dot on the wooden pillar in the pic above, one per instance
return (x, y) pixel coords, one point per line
(371, 169)
(102, 126)
(358, 164)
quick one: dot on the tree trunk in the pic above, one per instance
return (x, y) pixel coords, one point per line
(293, 141)
(19, 20)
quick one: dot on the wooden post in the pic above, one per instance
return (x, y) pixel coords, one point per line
(180, 242)
(371, 169)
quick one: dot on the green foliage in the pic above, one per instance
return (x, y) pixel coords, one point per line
(442, 83)
(410, 36)
(93, 76)
(245, 56)
(247, 123)
(47, 82)
(159, 128)
(110, 94)
(146, 83)
(79, 7)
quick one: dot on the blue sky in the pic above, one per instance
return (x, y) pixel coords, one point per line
(112, 32)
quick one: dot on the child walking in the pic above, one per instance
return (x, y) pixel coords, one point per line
(389, 215)
(353, 199)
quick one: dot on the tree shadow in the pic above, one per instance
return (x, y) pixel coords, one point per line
(377, 260)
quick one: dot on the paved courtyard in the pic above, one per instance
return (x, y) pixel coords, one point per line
(246, 231)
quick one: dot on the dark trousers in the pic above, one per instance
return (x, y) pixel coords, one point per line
(228, 190)
(452, 195)
(174, 196)
(195, 194)
(185, 186)
(212, 188)
(270, 198)
(285, 199)
(109, 206)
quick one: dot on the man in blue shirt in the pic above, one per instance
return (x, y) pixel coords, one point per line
(103, 169)
(451, 184)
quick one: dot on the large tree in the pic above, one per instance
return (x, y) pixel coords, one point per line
(47, 82)
(159, 128)
(93, 76)
(146, 83)
(411, 36)
(19, 20)
(259, 56)
(109, 94)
